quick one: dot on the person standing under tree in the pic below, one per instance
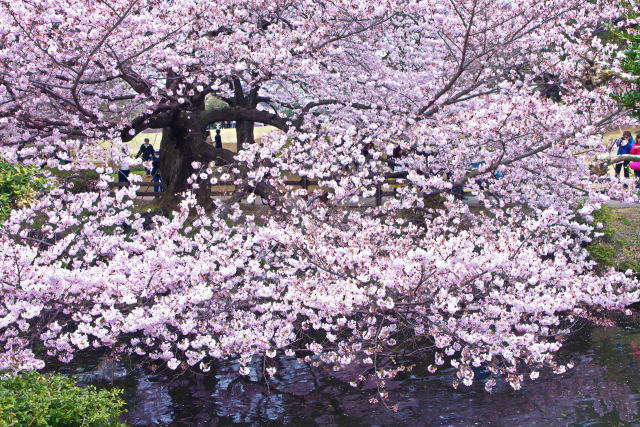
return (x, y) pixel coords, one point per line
(155, 173)
(218, 139)
(148, 153)
(635, 165)
(624, 145)
(123, 173)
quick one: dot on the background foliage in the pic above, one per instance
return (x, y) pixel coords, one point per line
(630, 58)
(34, 399)
(18, 184)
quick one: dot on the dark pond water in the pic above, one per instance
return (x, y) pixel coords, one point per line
(602, 389)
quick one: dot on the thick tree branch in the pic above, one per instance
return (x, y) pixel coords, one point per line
(159, 119)
(246, 114)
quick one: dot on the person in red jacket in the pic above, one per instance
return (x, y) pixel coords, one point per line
(635, 166)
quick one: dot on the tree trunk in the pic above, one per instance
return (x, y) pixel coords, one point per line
(179, 148)
(244, 133)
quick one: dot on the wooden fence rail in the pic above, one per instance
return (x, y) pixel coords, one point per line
(303, 182)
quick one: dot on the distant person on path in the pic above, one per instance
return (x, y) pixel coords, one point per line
(398, 154)
(123, 173)
(155, 174)
(366, 153)
(218, 139)
(148, 153)
(624, 145)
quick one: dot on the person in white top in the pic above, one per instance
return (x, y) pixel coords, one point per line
(123, 173)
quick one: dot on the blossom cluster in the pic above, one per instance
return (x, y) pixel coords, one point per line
(189, 290)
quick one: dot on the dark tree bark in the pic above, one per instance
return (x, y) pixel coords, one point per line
(244, 133)
(244, 128)
(181, 145)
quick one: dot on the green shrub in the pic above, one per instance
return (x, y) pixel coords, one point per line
(81, 180)
(18, 185)
(35, 399)
(627, 39)
(633, 265)
(603, 254)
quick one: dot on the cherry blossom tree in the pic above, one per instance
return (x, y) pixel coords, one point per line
(447, 94)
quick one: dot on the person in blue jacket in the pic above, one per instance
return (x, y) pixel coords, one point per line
(155, 174)
(148, 153)
(624, 145)
(218, 139)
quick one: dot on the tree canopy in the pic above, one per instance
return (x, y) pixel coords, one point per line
(447, 93)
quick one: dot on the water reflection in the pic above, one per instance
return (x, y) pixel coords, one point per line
(602, 389)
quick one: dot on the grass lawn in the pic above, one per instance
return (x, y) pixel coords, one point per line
(617, 133)
(228, 138)
(619, 247)
(229, 141)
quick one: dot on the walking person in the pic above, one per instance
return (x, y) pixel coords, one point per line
(148, 153)
(624, 145)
